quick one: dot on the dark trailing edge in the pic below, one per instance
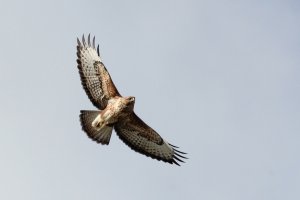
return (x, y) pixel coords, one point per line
(174, 159)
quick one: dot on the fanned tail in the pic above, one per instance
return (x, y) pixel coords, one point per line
(101, 135)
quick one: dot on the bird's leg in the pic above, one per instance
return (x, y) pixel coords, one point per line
(98, 122)
(103, 119)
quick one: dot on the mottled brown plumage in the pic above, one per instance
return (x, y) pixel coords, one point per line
(116, 111)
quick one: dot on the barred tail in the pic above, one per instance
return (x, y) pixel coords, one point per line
(99, 135)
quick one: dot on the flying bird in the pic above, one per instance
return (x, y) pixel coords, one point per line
(115, 111)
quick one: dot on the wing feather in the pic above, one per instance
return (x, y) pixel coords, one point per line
(143, 139)
(95, 78)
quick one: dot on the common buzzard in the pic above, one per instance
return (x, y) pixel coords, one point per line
(116, 112)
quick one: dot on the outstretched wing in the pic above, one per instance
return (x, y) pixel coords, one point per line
(95, 79)
(143, 139)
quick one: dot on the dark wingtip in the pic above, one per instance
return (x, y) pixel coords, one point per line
(94, 42)
(177, 154)
(83, 40)
(176, 158)
(78, 42)
(98, 50)
(179, 151)
(173, 145)
(176, 163)
(89, 39)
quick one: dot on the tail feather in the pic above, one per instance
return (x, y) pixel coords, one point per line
(99, 135)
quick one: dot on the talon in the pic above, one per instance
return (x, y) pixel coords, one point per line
(98, 125)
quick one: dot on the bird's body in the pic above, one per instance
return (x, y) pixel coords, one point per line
(116, 112)
(117, 109)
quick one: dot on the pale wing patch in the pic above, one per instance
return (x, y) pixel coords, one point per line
(95, 79)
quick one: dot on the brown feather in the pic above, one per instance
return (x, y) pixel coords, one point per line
(95, 79)
(143, 139)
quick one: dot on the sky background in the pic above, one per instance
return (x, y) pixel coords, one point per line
(219, 79)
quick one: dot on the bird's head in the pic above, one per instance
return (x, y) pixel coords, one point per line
(130, 101)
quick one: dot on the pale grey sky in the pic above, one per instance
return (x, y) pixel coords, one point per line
(219, 79)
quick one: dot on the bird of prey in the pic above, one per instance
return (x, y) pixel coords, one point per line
(115, 111)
